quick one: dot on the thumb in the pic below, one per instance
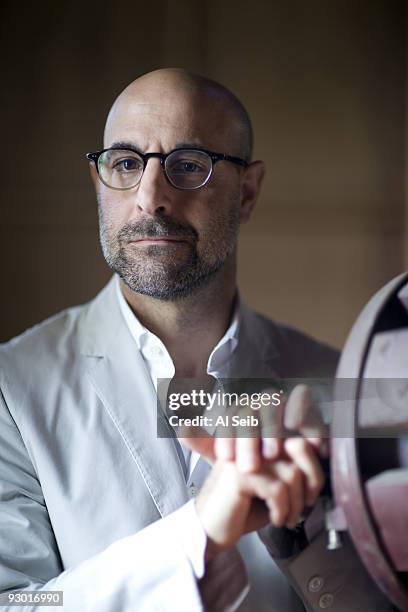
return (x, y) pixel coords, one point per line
(198, 440)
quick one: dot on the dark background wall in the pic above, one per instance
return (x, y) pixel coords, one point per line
(325, 85)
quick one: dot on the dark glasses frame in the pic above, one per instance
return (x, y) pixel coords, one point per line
(214, 157)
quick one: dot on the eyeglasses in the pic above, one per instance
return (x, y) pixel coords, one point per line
(184, 168)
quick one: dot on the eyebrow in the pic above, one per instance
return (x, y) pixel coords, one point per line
(188, 145)
(123, 144)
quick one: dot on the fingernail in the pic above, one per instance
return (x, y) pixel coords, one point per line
(276, 518)
(269, 448)
(246, 463)
(224, 453)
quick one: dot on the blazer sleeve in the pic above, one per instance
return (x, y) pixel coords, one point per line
(159, 568)
(323, 578)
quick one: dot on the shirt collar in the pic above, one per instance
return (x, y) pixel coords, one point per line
(223, 350)
(138, 331)
(220, 354)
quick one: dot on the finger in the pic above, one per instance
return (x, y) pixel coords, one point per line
(291, 475)
(248, 454)
(321, 445)
(271, 448)
(246, 438)
(225, 437)
(303, 416)
(303, 455)
(199, 440)
(300, 408)
(274, 493)
(278, 503)
(224, 448)
(272, 427)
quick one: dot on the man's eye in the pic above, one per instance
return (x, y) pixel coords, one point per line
(187, 167)
(127, 165)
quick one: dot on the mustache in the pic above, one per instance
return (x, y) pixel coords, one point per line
(156, 228)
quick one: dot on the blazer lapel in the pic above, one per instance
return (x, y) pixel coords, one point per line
(256, 356)
(123, 384)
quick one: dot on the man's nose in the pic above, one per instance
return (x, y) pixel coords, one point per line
(154, 193)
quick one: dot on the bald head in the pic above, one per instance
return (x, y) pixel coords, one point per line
(199, 107)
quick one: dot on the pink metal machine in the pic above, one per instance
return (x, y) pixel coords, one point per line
(369, 460)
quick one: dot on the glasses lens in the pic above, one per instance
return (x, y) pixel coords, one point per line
(120, 168)
(188, 169)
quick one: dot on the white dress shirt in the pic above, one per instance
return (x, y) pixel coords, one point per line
(160, 366)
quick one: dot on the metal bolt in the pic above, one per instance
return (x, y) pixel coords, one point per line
(334, 540)
(315, 584)
(326, 600)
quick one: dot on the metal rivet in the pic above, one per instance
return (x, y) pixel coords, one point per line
(315, 584)
(326, 600)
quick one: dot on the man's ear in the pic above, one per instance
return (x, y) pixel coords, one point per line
(251, 186)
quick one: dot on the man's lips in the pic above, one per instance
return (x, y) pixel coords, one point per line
(157, 239)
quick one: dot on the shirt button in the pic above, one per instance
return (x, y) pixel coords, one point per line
(193, 491)
(326, 600)
(315, 584)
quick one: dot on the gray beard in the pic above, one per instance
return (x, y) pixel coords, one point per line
(153, 271)
(162, 282)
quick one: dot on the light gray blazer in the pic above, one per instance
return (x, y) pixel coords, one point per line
(81, 465)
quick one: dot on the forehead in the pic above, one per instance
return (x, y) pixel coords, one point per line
(161, 122)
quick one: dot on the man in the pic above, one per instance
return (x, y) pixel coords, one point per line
(82, 469)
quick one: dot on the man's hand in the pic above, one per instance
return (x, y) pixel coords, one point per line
(296, 415)
(249, 487)
(293, 431)
(232, 503)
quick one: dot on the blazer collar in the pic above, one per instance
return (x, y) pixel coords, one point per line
(99, 322)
